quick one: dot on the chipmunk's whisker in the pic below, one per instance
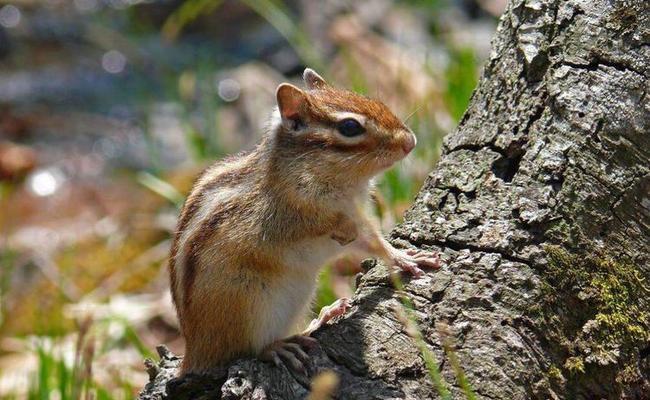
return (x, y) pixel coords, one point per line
(412, 113)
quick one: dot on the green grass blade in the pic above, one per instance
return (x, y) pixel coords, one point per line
(186, 13)
(161, 187)
(414, 331)
(277, 14)
(64, 380)
(44, 371)
(132, 336)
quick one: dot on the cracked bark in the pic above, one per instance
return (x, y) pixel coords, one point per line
(553, 150)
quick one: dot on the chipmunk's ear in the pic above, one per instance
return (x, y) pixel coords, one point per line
(292, 103)
(312, 79)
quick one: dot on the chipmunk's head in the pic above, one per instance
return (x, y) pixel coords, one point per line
(340, 131)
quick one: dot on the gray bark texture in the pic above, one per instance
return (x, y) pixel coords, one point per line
(540, 210)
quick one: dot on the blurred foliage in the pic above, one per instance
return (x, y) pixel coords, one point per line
(71, 378)
(162, 188)
(275, 12)
(325, 294)
(431, 4)
(406, 315)
(186, 13)
(461, 80)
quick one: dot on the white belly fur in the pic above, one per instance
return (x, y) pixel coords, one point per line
(288, 298)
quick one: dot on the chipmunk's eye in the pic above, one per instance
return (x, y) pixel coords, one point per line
(350, 127)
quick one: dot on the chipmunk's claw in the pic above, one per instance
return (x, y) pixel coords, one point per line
(425, 258)
(290, 352)
(411, 260)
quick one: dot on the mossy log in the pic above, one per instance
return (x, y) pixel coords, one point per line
(540, 208)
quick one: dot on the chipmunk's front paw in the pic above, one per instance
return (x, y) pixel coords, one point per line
(327, 313)
(411, 260)
(290, 352)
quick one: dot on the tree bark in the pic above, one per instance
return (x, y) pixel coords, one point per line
(540, 208)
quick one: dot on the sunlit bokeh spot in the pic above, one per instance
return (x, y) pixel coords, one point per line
(113, 61)
(228, 89)
(9, 16)
(45, 182)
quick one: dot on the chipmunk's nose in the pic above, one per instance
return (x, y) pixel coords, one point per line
(409, 142)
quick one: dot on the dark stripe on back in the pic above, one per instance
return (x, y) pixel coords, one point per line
(188, 210)
(191, 206)
(196, 245)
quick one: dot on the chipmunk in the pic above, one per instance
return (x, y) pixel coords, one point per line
(256, 228)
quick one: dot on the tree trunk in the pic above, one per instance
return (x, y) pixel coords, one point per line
(540, 209)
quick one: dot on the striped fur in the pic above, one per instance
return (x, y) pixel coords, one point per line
(257, 227)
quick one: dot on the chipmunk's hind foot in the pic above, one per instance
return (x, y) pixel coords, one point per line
(290, 352)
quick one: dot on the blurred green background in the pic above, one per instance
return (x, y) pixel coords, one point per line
(109, 108)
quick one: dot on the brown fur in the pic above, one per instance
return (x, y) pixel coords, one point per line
(328, 98)
(187, 212)
(289, 189)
